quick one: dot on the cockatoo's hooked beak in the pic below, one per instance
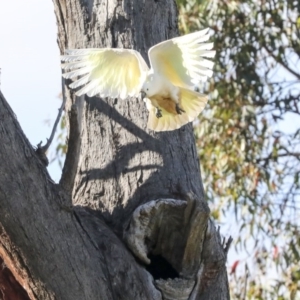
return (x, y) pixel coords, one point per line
(143, 95)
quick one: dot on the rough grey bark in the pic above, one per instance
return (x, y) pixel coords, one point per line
(121, 184)
(57, 253)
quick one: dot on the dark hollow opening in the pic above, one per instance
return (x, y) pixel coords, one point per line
(10, 288)
(160, 268)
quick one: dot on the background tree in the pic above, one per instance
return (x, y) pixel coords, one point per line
(248, 138)
(66, 241)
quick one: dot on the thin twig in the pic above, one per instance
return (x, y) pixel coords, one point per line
(246, 281)
(49, 141)
(227, 245)
(41, 150)
(280, 61)
(275, 156)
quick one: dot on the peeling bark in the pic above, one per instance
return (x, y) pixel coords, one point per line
(121, 183)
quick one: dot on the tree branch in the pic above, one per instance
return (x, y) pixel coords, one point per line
(272, 156)
(58, 255)
(72, 156)
(41, 150)
(279, 60)
(226, 245)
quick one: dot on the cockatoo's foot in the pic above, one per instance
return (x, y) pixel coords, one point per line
(179, 110)
(158, 113)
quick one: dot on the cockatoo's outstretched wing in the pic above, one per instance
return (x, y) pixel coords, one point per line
(107, 72)
(191, 102)
(181, 60)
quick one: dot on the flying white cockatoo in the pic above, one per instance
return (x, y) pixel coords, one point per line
(168, 87)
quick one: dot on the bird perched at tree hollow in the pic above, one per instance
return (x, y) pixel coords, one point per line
(168, 88)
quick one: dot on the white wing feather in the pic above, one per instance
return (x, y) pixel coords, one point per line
(182, 60)
(107, 72)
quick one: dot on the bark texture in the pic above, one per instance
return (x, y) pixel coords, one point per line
(121, 183)
(58, 253)
(122, 164)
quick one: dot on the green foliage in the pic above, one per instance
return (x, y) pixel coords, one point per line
(248, 146)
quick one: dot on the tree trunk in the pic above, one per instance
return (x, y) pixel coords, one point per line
(128, 219)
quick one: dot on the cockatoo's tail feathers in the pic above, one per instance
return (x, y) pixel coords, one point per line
(191, 102)
(107, 72)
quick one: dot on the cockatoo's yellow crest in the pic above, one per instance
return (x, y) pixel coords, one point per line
(177, 65)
